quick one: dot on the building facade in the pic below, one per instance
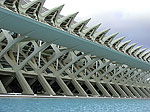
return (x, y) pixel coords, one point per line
(43, 52)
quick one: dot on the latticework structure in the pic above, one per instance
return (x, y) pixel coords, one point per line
(43, 52)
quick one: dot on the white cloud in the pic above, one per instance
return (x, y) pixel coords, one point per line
(128, 17)
(89, 7)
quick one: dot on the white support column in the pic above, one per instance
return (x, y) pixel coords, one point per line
(36, 51)
(140, 92)
(45, 85)
(85, 66)
(22, 81)
(88, 84)
(120, 90)
(144, 79)
(95, 70)
(128, 91)
(120, 71)
(76, 83)
(39, 58)
(18, 52)
(147, 89)
(52, 60)
(64, 86)
(91, 88)
(11, 42)
(129, 72)
(140, 76)
(145, 92)
(112, 68)
(41, 79)
(131, 77)
(102, 89)
(78, 87)
(115, 94)
(58, 74)
(69, 64)
(135, 92)
(2, 88)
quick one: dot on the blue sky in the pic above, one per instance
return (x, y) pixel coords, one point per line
(131, 18)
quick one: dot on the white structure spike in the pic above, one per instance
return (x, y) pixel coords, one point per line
(99, 36)
(129, 48)
(107, 40)
(88, 33)
(11, 5)
(32, 9)
(116, 42)
(140, 53)
(79, 26)
(145, 55)
(135, 50)
(123, 45)
(50, 16)
(148, 59)
(66, 21)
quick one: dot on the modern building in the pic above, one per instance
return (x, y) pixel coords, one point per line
(43, 52)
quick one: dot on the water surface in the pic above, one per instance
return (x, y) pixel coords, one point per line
(73, 105)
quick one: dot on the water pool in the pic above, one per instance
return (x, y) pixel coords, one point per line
(73, 105)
